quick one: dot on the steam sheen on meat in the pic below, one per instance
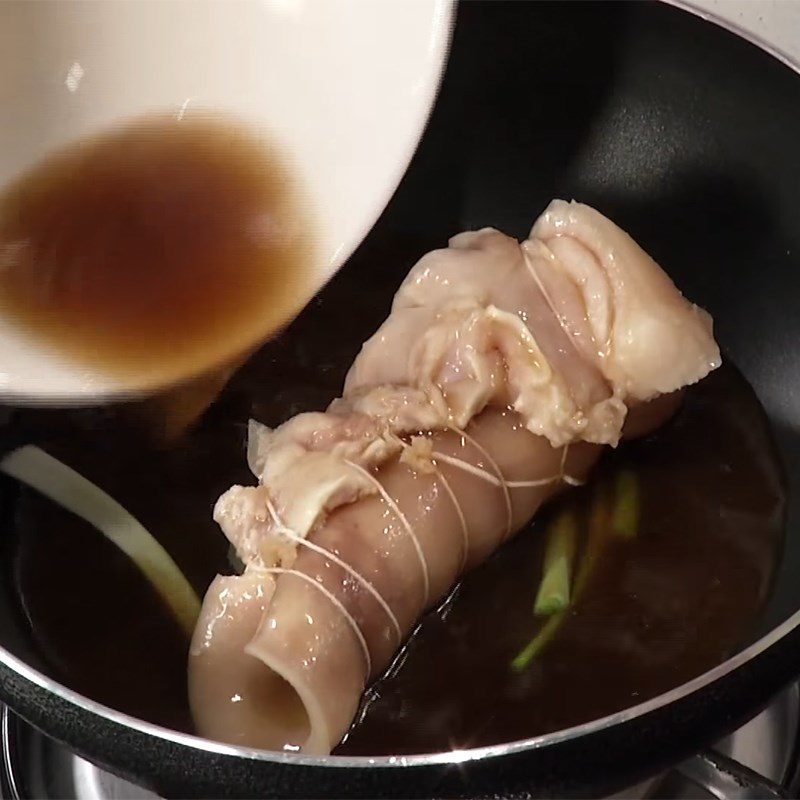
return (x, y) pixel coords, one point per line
(500, 372)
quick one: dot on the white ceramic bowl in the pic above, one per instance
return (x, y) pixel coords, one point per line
(345, 86)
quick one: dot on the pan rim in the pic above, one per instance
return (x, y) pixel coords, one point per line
(691, 7)
(458, 756)
(448, 758)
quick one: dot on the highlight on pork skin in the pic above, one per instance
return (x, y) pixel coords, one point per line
(501, 371)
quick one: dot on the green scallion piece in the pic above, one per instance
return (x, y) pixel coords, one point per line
(554, 590)
(627, 505)
(597, 539)
(523, 659)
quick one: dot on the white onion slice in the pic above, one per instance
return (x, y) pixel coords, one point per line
(61, 484)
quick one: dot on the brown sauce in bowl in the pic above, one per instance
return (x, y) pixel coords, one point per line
(161, 247)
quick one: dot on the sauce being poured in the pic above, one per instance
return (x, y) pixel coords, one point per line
(161, 247)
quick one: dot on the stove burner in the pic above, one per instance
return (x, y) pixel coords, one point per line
(757, 762)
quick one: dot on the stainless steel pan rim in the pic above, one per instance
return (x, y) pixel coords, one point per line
(453, 757)
(775, 52)
(447, 758)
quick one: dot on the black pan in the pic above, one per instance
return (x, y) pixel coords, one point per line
(688, 137)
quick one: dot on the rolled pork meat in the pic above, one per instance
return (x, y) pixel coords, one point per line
(501, 371)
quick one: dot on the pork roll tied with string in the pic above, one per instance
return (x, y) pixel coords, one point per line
(501, 371)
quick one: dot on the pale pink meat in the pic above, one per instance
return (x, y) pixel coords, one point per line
(500, 370)
(652, 339)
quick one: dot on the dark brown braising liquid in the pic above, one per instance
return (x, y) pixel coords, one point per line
(659, 610)
(168, 243)
(161, 247)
